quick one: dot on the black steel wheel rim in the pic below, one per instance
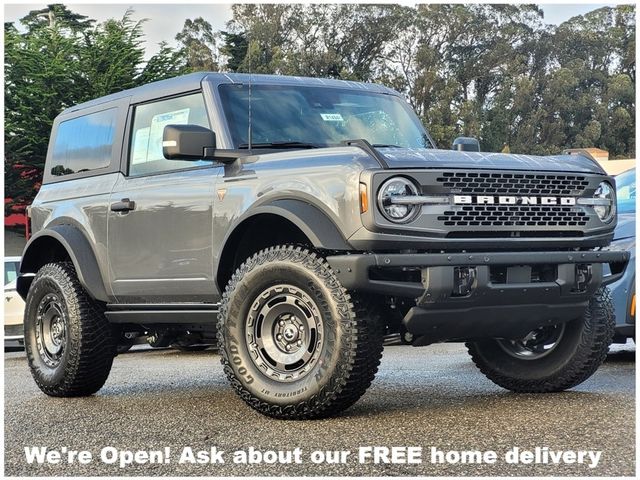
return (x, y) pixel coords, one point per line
(51, 329)
(284, 332)
(536, 344)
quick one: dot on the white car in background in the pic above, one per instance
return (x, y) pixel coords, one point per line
(13, 303)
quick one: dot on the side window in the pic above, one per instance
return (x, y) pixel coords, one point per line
(10, 271)
(149, 120)
(84, 143)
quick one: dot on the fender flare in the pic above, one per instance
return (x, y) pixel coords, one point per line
(313, 222)
(80, 252)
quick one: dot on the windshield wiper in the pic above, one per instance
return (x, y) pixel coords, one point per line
(284, 144)
(384, 145)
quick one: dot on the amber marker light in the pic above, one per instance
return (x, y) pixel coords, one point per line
(633, 306)
(364, 199)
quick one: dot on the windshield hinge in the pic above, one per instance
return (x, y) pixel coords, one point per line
(370, 149)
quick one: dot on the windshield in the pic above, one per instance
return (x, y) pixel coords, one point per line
(319, 116)
(626, 191)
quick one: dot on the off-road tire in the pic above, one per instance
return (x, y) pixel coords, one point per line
(90, 341)
(346, 365)
(581, 350)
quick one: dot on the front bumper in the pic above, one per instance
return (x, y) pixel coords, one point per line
(507, 307)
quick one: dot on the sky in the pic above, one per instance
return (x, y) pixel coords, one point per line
(165, 20)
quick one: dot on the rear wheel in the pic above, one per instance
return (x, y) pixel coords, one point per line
(70, 345)
(551, 358)
(293, 342)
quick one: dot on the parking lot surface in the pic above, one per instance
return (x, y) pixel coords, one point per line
(424, 397)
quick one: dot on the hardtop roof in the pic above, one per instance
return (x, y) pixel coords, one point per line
(193, 81)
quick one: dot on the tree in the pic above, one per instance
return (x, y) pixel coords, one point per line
(234, 49)
(112, 56)
(590, 94)
(56, 15)
(341, 41)
(167, 63)
(198, 44)
(266, 29)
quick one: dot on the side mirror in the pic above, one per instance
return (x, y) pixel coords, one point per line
(187, 142)
(466, 144)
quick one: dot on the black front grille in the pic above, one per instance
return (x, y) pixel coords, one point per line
(513, 183)
(514, 216)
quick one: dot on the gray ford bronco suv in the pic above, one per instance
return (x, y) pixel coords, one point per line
(300, 220)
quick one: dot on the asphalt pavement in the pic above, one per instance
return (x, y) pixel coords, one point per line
(422, 397)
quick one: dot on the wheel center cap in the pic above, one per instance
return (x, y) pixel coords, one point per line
(56, 331)
(290, 333)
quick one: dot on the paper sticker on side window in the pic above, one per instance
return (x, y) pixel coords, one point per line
(158, 122)
(332, 117)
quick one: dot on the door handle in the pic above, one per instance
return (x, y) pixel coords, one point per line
(124, 205)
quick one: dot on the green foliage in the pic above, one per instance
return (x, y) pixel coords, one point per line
(322, 40)
(56, 16)
(198, 45)
(112, 56)
(234, 49)
(167, 63)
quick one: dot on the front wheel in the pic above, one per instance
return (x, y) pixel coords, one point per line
(293, 342)
(552, 358)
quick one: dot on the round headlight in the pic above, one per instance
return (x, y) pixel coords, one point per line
(395, 188)
(606, 208)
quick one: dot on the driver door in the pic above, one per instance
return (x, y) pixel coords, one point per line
(161, 212)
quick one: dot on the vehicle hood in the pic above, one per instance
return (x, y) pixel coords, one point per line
(433, 158)
(626, 226)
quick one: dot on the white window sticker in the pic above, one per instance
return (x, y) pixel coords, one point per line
(140, 146)
(332, 117)
(158, 122)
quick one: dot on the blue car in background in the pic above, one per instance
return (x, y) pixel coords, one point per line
(624, 290)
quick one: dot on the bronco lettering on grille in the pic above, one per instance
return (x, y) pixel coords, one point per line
(511, 200)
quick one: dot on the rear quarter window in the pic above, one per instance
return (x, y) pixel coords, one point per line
(84, 144)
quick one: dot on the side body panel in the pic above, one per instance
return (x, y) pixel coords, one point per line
(328, 180)
(81, 204)
(162, 251)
